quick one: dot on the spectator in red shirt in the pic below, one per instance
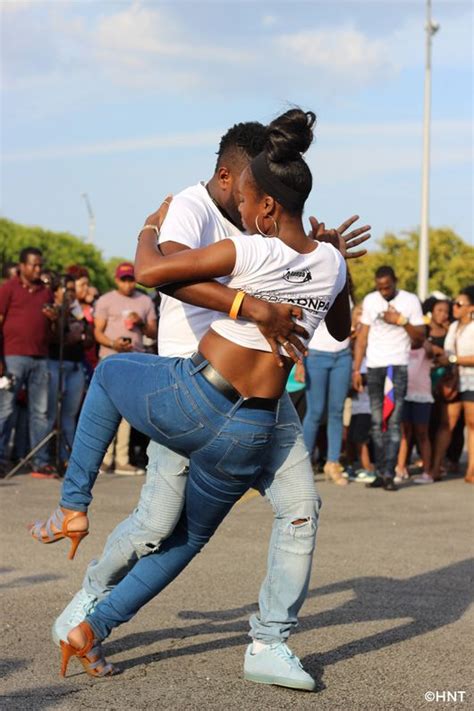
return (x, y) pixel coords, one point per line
(26, 315)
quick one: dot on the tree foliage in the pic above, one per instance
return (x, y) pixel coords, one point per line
(451, 263)
(60, 250)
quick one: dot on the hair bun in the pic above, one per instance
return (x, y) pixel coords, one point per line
(290, 135)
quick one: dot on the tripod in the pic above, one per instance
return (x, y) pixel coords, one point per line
(57, 432)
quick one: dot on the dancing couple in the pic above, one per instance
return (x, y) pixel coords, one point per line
(213, 402)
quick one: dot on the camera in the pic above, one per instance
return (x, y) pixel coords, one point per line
(7, 382)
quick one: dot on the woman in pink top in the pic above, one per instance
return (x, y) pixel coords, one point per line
(416, 414)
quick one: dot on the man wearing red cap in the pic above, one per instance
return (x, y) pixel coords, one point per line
(122, 317)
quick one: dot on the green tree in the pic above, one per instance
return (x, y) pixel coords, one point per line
(450, 267)
(60, 250)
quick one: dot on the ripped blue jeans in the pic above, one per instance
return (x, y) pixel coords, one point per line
(287, 483)
(176, 406)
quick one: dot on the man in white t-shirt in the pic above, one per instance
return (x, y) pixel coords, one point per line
(198, 216)
(392, 323)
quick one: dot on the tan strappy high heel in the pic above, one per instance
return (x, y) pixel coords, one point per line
(58, 526)
(91, 654)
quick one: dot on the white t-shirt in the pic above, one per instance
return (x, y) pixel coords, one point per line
(323, 341)
(389, 344)
(460, 341)
(194, 220)
(268, 269)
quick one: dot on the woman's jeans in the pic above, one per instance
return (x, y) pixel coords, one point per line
(386, 444)
(167, 399)
(328, 377)
(73, 384)
(287, 483)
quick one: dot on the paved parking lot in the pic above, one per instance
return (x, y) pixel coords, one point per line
(387, 620)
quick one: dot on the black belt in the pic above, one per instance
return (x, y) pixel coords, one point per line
(218, 382)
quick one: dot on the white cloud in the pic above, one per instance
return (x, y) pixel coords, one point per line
(346, 53)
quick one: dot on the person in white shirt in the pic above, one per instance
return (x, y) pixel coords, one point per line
(203, 215)
(392, 322)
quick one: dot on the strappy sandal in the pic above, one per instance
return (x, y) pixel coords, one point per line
(57, 527)
(91, 655)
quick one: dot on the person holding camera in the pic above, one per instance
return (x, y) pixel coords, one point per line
(26, 318)
(122, 317)
(66, 360)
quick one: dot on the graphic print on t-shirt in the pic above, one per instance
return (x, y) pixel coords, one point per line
(300, 276)
(316, 304)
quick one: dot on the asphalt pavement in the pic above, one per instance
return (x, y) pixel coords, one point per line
(387, 623)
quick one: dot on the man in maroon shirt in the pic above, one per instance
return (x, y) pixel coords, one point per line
(26, 314)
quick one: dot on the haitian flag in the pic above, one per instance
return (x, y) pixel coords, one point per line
(388, 398)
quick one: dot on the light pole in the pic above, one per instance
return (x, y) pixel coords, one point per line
(91, 233)
(424, 248)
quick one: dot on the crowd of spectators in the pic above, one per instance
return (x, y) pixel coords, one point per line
(399, 391)
(55, 328)
(386, 406)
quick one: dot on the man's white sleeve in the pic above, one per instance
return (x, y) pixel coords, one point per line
(184, 223)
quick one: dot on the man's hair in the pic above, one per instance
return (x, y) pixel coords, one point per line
(24, 254)
(241, 142)
(469, 292)
(385, 271)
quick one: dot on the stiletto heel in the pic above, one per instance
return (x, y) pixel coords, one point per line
(76, 537)
(66, 653)
(57, 527)
(91, 654)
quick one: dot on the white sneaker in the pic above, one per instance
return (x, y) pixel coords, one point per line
(81, 605)
(276, 664)
(364, 476)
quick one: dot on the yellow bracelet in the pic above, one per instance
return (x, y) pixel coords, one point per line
(236, 304)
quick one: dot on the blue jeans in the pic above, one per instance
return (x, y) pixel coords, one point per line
(74, 381)
(176, 406)
(328, 377)
(386, 444)
(33, 372)
(288, 484)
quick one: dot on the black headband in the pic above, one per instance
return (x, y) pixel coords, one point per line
(271, 184)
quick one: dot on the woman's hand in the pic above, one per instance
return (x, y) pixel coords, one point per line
(158, 217)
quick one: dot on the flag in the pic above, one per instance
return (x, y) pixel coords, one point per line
(388, 398)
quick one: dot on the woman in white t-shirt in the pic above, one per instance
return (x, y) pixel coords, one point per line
(459, 354)
(219, 407)
(327, 376)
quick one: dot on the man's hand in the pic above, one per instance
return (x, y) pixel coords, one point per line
(276, 323)
(343, 242)
(122, 346)
(391, 316)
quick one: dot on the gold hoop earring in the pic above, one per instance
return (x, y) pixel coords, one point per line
(275, 224)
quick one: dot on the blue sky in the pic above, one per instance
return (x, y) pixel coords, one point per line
(127, 100)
